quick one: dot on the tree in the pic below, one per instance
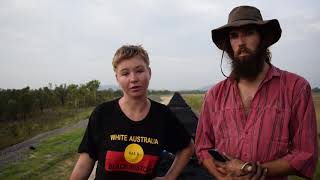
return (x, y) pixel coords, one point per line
(26, 102)
(93, 88)
(83, 92)
(61, 92)
(316, 89)
(73, 95)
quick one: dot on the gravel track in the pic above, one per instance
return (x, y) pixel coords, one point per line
(17, 152)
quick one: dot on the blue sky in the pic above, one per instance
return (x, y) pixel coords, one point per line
(73, 41)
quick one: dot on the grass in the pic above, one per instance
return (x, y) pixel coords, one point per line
(194, 101)
(316, 101)
(14, 132)
(53, 159)
(56, 157)
(155, 97)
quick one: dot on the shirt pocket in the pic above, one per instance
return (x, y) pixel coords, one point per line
(227, 128)
(275, 133)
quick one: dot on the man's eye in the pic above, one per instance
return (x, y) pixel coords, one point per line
(124, 74)
(233, 35)
(250, 32)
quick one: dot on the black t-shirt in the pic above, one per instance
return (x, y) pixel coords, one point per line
(126, 149)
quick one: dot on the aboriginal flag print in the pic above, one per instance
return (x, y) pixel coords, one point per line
(119, 161)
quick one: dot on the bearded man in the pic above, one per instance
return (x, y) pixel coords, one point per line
(262, 118)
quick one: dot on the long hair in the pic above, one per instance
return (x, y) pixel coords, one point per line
(228, 49)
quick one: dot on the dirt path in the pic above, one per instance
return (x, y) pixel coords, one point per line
(16, 152)
(165, 99)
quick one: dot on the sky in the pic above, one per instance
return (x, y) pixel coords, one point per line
(73, 41)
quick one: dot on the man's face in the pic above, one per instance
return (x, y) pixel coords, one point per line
(247, 52)
(244, 42)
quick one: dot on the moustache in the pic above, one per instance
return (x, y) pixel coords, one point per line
(243, 50)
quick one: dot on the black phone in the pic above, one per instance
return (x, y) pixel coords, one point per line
(217, 156)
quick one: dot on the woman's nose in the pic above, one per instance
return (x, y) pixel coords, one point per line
(133, 77)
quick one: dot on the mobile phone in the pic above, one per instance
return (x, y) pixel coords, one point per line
(217, 156)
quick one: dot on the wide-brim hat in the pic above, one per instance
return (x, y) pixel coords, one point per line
(243, 16)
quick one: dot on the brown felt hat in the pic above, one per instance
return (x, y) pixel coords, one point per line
(247, 15)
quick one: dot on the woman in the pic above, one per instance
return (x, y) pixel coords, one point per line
(127, 135)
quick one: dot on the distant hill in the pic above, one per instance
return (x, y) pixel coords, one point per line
(205, 88)
(115, 87)
(106, 87)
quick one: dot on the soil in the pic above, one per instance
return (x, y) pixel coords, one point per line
(16, 152)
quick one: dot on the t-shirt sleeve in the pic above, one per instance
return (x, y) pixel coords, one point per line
(177, 137)
(89, 143)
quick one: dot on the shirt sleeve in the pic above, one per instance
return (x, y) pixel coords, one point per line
(303, 150)
(204, 136)
(90, 139)
(177, 137)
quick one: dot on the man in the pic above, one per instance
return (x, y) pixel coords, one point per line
(262, 118)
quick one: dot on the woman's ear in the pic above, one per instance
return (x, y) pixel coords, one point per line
(149, 69)
(116, 75)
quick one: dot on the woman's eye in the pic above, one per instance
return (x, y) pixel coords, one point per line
(140, 71)
(124, 74)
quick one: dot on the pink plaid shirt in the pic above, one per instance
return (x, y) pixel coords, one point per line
(281, 122)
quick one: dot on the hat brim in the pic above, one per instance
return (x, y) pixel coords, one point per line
(271, 28)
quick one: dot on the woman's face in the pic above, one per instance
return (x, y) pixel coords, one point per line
(133, 76)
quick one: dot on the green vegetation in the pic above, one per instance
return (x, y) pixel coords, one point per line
(316, 90)
(25, 113)
(194, 101)
(56, 157)
(17, 131)
(52, 159)
(316, 100)
(155, 97)
(23, 104)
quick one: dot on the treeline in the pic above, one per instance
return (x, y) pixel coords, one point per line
(316, 90)
(20, 104)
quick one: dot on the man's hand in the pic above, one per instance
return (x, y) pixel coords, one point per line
(162, 178)
(257, 173)
(239, 170)
(231, 167)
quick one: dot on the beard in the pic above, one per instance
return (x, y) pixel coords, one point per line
(248, 67)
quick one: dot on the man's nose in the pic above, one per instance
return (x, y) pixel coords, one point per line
(241, 40)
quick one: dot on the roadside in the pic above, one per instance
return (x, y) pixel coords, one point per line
(16, 152)
(165, 99)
